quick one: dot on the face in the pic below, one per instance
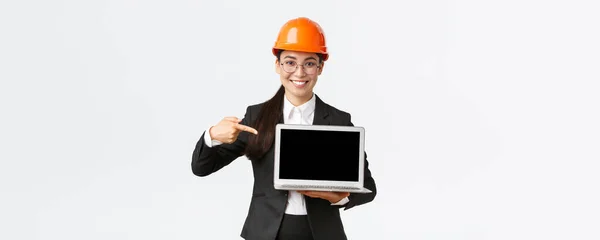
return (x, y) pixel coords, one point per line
(298, 72)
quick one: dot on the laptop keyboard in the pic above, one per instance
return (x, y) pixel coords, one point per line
(318, 187)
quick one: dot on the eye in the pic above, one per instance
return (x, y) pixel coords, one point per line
(310, 64)
(290, 63)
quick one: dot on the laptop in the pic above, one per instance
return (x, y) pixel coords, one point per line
(319, 158)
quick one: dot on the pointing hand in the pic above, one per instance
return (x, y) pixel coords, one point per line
(228, 129)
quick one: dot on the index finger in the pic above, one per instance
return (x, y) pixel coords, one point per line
(245, 128)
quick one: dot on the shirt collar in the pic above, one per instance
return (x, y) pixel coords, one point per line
(306, 108)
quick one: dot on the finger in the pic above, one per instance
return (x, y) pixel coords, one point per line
(343, 194)
(233, 119)
(245, 128)
(316, 194)
(311, 195)
(307, 193)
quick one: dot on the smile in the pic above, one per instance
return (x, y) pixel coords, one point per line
(299, 83)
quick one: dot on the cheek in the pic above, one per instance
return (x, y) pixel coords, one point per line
(284, 76)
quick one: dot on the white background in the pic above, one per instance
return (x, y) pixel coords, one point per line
(481, 116)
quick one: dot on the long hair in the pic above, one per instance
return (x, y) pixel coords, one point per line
(270, 114)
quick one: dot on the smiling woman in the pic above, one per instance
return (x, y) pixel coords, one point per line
(300, 73)
(301, 53)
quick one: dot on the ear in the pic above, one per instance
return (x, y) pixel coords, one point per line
(321, 68)
(277, 68)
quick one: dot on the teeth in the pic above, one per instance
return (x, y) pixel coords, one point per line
(299, 82)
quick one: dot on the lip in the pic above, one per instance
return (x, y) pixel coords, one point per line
(300, 86)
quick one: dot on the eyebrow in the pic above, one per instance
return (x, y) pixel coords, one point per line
(297, 59)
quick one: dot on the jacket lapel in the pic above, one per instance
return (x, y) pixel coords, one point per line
(321, 114)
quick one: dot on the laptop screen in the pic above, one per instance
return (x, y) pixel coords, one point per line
(319, 155)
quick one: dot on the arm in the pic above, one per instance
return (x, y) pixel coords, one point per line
(356, 199)
(208, 157)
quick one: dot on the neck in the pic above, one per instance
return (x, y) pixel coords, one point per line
(297, 101)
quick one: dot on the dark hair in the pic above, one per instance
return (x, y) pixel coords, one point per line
(270, 114)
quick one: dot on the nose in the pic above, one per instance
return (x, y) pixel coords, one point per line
(299, 71)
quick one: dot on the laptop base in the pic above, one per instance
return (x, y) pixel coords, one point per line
(322, 188)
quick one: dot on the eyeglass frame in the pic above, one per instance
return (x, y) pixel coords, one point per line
(303, 67)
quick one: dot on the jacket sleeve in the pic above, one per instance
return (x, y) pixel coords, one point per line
(207, 160)
(357, 199)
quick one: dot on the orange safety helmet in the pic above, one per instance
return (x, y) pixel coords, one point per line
(303, 35)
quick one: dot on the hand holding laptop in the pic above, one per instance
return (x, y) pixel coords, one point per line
(332, 197)
(228, 129)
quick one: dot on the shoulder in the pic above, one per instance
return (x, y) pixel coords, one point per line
(338, 115)
(254, 109)
(252, 112)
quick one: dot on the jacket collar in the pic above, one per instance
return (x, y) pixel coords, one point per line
(321, 112)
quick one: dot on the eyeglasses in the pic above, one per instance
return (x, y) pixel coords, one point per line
(308, 67)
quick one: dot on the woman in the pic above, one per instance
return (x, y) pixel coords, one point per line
(300, 52)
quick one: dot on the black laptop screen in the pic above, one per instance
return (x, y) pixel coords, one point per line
(319, 155)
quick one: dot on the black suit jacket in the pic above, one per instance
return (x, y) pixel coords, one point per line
(267, 205)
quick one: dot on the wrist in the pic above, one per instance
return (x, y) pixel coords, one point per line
(341, 202)
(337, 199)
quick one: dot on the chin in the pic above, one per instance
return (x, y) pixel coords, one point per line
(302, 90)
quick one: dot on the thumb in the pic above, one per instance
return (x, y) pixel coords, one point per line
(233, 119)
